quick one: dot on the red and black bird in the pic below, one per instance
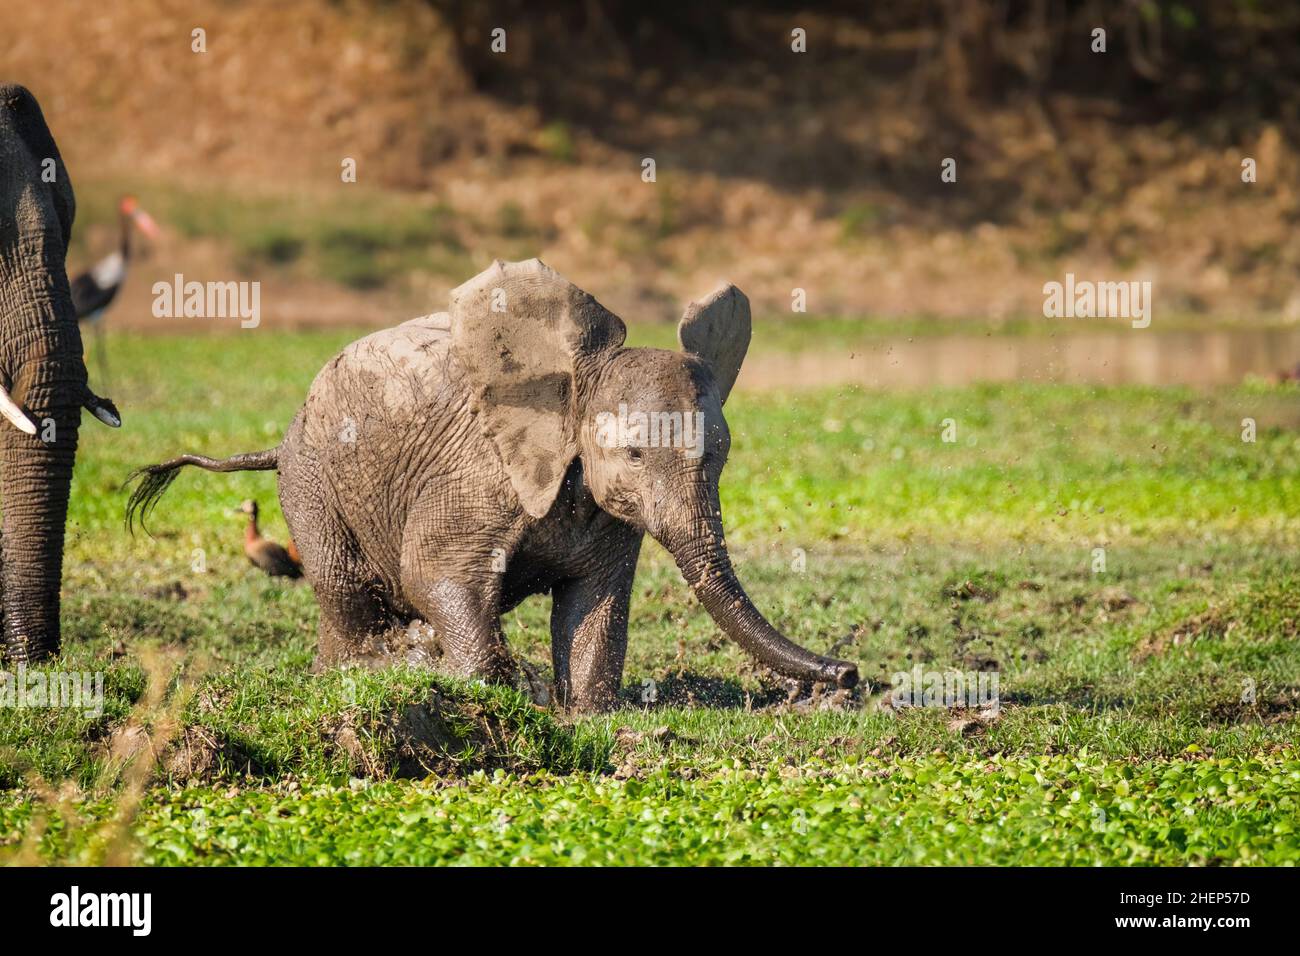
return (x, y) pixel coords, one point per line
(96, 288)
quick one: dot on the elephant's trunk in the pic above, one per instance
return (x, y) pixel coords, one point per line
(36, 480)
(700, 550)
(45, 374)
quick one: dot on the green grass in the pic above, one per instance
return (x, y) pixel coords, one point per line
(1148, 709)
(1035, 810)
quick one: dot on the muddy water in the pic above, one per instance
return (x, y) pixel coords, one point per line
(1122, 357)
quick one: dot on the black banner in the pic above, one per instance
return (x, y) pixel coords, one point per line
(341, 905)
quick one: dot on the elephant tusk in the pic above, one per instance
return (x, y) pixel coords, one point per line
(104, 410)
(17, 418)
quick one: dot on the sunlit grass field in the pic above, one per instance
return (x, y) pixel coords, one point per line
(1122, 560)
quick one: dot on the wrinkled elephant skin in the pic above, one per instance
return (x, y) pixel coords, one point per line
(42, 377)
(443, 470)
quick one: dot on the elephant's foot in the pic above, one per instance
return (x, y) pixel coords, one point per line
(531, 682)
(414, 644)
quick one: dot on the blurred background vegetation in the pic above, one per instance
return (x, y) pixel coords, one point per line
(779, 170)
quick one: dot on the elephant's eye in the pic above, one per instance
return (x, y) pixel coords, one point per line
(634, 456)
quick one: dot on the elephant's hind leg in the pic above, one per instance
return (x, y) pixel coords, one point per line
(357, 622)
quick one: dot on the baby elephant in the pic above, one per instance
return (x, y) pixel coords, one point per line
(443, 470)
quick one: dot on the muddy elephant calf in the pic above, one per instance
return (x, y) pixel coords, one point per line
(444, 470)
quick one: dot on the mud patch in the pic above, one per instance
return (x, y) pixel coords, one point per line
(171, 591)
(1268, 612)
(1209, 624)
(629, 760)
(969, 722)
(202, 755)
(437, 737)
(430, 732)
(978, 586)
(1115, 599)
(1277, 708)
(686, 688)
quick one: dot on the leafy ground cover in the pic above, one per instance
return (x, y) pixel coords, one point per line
(1121, 560)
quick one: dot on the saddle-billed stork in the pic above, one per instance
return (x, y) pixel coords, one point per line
(96, 288)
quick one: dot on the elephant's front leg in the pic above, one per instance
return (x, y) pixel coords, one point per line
(465, 613)
(589, 636)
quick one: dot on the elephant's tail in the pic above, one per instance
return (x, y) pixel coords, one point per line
(155, 479)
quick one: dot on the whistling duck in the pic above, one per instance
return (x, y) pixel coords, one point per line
(266, 554)
(94, 290)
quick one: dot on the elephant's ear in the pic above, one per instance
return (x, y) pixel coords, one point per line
(521, 329)
(717, 329)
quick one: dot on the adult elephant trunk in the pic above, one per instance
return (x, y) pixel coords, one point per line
(42, 377)
(35, 479)
(695, 540)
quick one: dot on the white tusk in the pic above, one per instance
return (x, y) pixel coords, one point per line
(15, 414)
(105, 416)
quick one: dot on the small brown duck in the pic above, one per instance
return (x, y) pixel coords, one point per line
(264, 553)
